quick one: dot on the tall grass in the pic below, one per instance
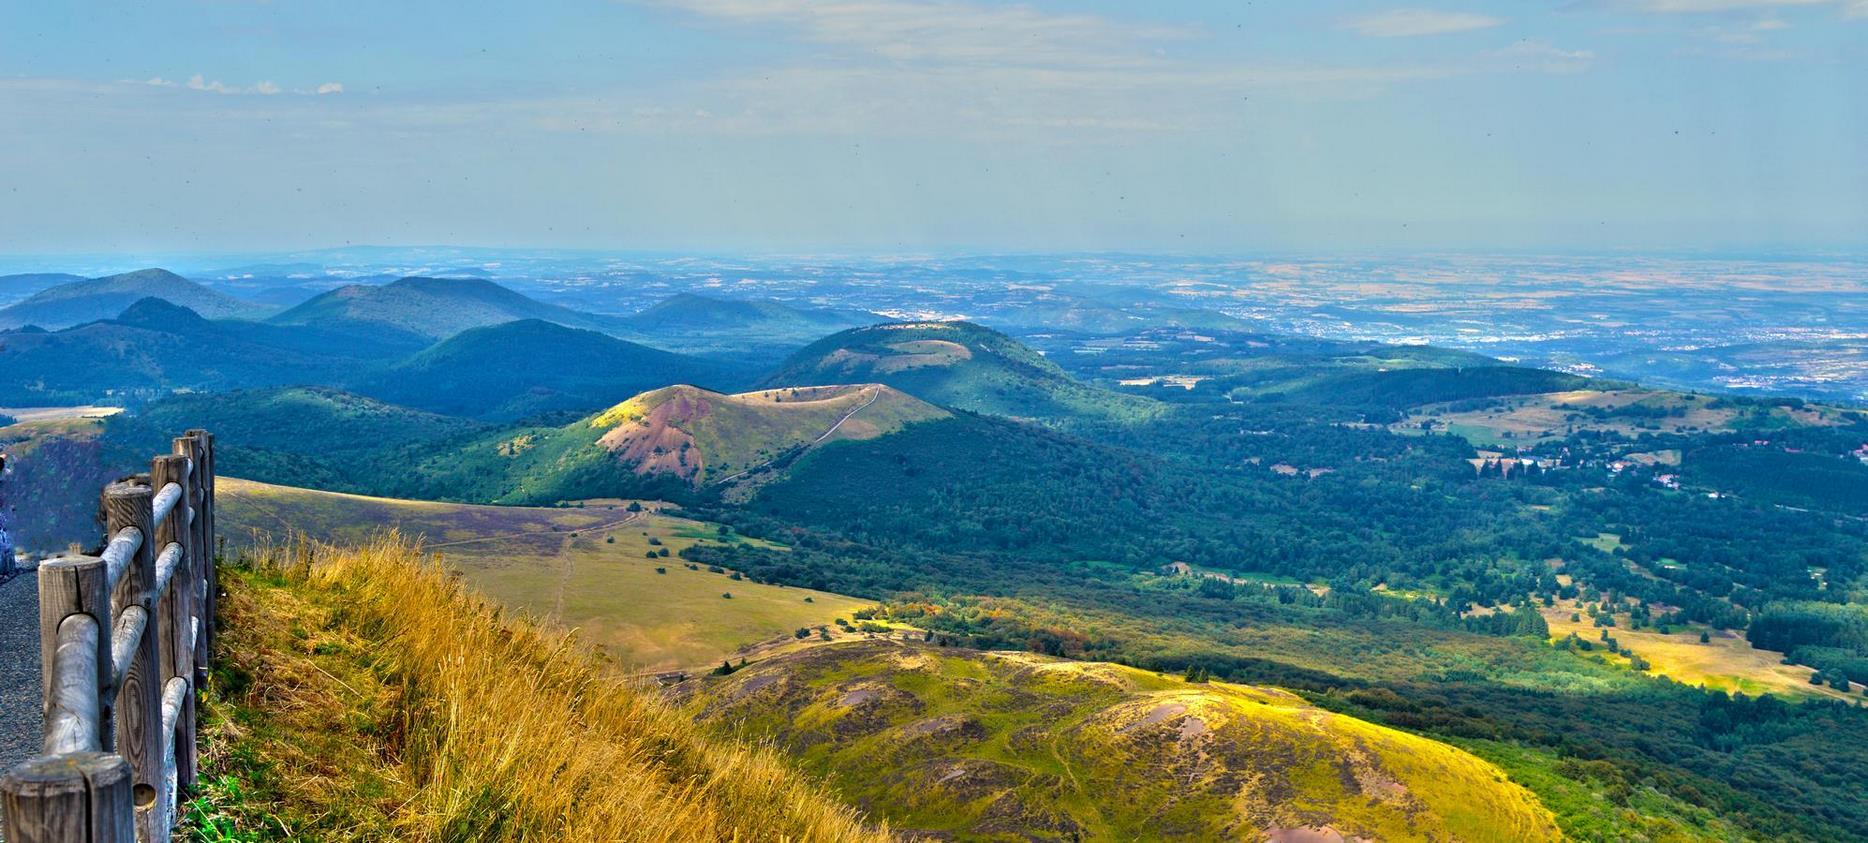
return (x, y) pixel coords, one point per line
(512, 731)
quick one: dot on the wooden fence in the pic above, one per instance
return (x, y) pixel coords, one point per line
(123, 644)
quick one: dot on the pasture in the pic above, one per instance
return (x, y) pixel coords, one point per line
(585, 567)
(1726, 662)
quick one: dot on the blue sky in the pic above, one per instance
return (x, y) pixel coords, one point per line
(883, 125)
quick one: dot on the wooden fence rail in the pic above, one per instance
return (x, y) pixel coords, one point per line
(123, 642)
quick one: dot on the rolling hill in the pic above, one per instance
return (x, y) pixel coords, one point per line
(687, 313)
(955, 364)
(308, 435)
(433, 308)
(91, 299)
(155, 346)
(516, 369)
(666, 442)
(999, 745)
(16, 287)
(754, 330)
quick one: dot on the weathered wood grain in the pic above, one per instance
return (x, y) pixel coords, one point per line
(129, 504)
(63, 798)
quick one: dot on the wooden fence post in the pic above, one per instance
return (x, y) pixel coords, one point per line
(200, 555)
(81, 796)
(174, 628)
(123, 640)
(139, 688)
(204, 451)
(74, 585)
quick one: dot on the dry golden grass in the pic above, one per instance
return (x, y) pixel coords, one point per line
(1725, 662)
(380, 699)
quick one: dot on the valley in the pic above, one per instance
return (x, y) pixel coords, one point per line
(1366, 552)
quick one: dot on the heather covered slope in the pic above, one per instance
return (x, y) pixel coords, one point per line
(955, 364)
(91, 299)
(530, 366)
(1015, 746)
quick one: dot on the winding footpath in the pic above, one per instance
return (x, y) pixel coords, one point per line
(20, 696)
(873, 395)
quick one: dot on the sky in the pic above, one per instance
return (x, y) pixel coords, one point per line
(887, 125)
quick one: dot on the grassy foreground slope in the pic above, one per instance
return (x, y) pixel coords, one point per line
(362, 694)
(597, 568)
(1015, 746)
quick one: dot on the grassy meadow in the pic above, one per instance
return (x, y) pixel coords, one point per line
(586, 567)
(1725, 662)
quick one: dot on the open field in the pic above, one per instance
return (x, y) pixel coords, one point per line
(585, 567)
(41, 414)
(1727, 662)
(1531, 418)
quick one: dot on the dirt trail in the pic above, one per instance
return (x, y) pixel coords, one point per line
(873, 395)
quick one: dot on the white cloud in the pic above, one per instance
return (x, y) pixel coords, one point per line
(955, 67)
(1855, 9)
(945, 31)
(1409, 23)
(198, 82)
(267, 88)
(1690, 7)
(1532, 54)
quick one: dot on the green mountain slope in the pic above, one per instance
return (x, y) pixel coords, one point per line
(688, 313)
(310, 436)
(956, 364)
(668, 441)
(1014, 746)
(432, 307)
(16, 287)
(88, 300)
(755, 330)
(521, 368)
(156, 346)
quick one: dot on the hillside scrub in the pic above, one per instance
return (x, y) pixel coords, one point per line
(363, 694)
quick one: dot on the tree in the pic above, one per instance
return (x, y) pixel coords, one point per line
(1705, 638)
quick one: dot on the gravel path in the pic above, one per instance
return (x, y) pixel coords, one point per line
(19, 669)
